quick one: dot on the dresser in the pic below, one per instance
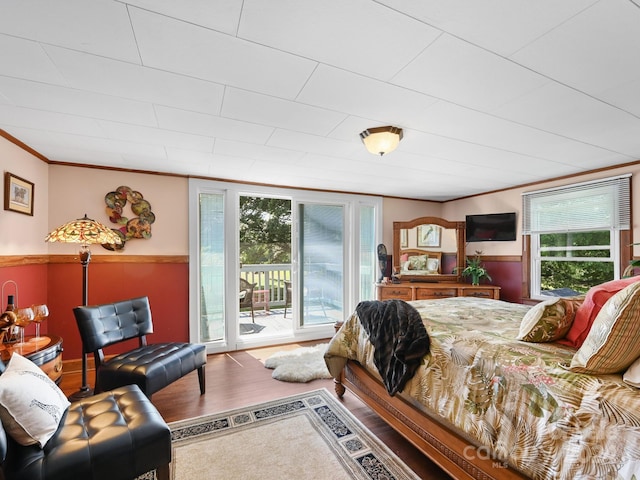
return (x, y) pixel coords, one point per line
(45, 351)
(431, 291)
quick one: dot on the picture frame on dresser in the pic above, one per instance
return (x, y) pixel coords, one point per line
(18, 194)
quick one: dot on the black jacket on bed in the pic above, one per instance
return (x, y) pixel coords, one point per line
(399, 337)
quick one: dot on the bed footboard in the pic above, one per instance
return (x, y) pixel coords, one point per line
(450, 451)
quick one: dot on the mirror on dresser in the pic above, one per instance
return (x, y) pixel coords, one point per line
(428, 249)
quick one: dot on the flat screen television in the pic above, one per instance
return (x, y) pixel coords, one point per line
(491, 227)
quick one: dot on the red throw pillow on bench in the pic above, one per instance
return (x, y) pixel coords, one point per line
(594, 300)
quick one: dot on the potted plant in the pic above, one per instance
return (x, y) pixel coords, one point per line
(475, 269)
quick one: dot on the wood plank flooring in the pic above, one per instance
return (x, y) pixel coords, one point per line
(238, 379)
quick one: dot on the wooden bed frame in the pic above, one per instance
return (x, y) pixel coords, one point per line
(449, 450)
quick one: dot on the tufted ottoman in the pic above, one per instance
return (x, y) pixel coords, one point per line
(110, 436)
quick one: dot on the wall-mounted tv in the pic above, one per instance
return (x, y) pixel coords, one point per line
(491, 227)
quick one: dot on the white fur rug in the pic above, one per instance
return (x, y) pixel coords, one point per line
(300, 365)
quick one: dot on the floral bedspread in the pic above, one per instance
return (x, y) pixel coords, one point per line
(511, 398)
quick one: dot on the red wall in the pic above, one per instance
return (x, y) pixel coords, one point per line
(508, 276)
(31, 283)
(60, 287)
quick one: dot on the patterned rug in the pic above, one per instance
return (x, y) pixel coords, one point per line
(306, 436)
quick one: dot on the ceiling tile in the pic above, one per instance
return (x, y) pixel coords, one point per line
(214, 56)
(101, 27)
(464, 74)
(211, 125)
(501, 26)
(594, 51)
(275, 112)
(560, 109)
(27, 59)
(220, 15)
(365, 97)
(135, 82)
(75, 102)
(358, 35)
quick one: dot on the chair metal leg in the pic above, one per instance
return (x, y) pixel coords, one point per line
(201, 380)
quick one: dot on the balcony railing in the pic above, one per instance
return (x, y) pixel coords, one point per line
(269, 277)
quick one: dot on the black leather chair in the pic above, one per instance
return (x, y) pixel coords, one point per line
(150, 366)
(115, 435)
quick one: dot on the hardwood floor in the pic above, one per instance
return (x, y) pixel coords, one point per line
(238, 379)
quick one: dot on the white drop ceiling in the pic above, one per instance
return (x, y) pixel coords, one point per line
(490, 93)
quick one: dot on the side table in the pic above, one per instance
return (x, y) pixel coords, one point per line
(45, 351)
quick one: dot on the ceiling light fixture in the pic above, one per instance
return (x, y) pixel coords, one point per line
(381, 140)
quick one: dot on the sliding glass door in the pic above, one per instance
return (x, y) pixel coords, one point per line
(309, 257)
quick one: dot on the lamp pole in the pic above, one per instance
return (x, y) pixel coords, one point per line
(85, 257)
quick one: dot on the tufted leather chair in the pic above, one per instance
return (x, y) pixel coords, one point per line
(116, 435)
(151, 367)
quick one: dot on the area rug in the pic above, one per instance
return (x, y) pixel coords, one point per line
(305, 436)
(300, 365)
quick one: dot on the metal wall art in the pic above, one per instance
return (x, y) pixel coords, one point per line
(130, 228)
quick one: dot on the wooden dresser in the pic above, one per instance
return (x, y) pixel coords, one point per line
(431, 291)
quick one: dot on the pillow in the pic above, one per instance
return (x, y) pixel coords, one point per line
(418, 262)
(31, 404)
(632, 375)
(596, 297)
(550, 320)
(432, 265)
(612, 344)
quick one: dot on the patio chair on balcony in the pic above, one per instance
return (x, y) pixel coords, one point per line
(287, 296)
(246, 296)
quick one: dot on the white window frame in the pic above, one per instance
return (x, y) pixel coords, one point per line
(613, 215)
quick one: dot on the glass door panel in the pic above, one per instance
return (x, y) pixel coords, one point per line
(321, 264)
(212, 273)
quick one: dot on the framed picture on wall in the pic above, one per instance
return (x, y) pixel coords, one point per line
(428, 236)
(404, 238)
(18, 194)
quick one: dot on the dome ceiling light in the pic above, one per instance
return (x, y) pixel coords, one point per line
(381, 140)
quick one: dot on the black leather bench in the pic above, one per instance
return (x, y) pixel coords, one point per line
(150, 366)
(115, 435)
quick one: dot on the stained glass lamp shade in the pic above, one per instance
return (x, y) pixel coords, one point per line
(85, 231)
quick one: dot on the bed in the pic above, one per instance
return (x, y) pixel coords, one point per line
(483, 404)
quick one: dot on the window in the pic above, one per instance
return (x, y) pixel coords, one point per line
(575, 235)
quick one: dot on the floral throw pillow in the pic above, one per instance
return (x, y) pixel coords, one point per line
(31, 404)
(550, 320)
(418, 262)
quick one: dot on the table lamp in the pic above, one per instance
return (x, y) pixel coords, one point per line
(84, 231)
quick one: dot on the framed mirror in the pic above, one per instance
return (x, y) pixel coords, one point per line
(428, 249)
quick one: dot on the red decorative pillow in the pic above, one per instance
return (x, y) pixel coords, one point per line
(596, 297)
